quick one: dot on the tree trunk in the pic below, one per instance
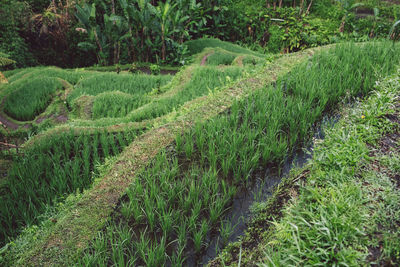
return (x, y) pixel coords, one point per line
(115, 60)
(309, 7)
(341, 28)
(99, 45)
(280, 3)
(132, 48)
(163, 50)
(301, 6)
(118, 51)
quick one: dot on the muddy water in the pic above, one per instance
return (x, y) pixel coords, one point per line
(262, 188)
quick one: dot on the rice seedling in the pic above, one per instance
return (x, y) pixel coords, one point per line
(203, 80)
(178, 258)
(29, 99)
(220, 57)
(199, 235)
(116, 95)
(197, 46)
(226, 230)
(49, 171)
(71, 76)
(216, 159)
(115, 104)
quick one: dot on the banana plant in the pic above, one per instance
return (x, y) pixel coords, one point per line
(130, 13)
(117, 30)
(146, 22)
(163, 11)
(86, 15)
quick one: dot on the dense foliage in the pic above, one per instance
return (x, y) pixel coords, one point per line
(84, 32)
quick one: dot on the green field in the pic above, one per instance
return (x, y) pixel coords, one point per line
(183, 195)
(222, 124)
(62, 158)
(199, 133)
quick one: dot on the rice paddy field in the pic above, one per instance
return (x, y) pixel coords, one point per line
(134, 169)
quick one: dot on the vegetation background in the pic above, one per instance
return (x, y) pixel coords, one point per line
(78, 33)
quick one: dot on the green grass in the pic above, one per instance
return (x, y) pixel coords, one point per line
(197, 46)
(137, 84)
(49, 171)
(115, 104)
(221, 58)
(184, 194)
(349, 206)
(117, 94)
(30, 98)
(203, 80)
(71, 76)
(9, 73)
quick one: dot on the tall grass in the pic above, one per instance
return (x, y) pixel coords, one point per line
(117, 95)
(51, 170)
(71, 76)
(30, 98)
(197, 46)
(204, 80)
(126, 83)
(115, 104)
(221, 58)
(183, 195)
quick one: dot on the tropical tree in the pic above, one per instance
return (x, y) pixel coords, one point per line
(86, 14)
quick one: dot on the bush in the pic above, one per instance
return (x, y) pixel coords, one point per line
(155, 69)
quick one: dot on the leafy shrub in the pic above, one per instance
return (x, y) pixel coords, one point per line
(155, 69)
(275, 43)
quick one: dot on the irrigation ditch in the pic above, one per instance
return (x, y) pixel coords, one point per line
(265, 180)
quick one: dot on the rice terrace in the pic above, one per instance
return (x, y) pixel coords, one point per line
(199, 133)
